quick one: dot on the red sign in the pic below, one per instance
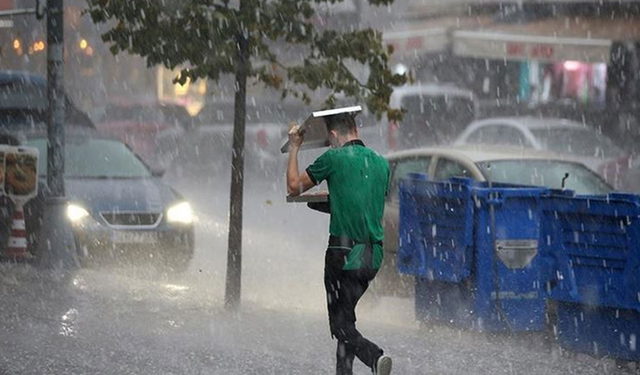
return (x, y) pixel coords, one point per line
(415, 42)
(6, 4)
(515, 49)
(533, 51)
(543, 51)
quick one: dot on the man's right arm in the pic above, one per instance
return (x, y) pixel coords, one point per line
(297, 183)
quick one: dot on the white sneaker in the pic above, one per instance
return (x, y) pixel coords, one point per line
(383, 366)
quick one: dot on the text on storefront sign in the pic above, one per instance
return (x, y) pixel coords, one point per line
(534, 51)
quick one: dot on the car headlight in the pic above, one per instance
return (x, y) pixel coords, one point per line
(180, 213)
(76, 213)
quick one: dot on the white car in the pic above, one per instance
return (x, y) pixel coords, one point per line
(561, 136)
(499, 164)
(434, 115)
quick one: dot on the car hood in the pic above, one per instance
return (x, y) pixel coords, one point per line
(99, 195)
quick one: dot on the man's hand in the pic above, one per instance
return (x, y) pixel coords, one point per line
(296, 135)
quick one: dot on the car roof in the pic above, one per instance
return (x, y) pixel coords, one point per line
(481, 153)
(537, 123)
(21, 116)
(71, 132)
(431, 89)
(11, 76)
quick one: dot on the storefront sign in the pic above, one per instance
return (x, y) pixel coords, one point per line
(532, 51)
(6, 4)
(529, 47)
(415, 43)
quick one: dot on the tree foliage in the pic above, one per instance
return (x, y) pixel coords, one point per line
(287, 49)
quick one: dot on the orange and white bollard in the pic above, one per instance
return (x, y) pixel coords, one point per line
(17, 244)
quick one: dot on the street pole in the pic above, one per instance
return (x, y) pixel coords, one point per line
(55, 95)
(56, 244)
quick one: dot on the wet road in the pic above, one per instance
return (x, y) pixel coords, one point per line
(137, 321)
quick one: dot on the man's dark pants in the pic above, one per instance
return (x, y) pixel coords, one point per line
(344, 288)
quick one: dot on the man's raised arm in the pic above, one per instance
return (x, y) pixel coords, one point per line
(297, 183)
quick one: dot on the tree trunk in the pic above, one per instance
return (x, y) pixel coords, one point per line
(234, 253)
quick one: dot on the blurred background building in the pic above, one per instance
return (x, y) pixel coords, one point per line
(574, 57)
(567, 58)
(535, 51)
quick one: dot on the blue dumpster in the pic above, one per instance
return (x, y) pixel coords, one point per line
(474, 251)
(595, 243)
(599, 331)
(436, 229)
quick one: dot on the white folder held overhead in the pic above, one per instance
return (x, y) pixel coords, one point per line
(315, 128)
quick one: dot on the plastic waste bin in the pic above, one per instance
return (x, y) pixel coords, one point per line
(474, 251)
(595, 242)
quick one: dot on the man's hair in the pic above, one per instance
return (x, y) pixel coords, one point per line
(343, 123)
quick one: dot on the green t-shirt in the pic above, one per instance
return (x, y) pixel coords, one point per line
(358, 179)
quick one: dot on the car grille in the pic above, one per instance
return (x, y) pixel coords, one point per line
(131, 219)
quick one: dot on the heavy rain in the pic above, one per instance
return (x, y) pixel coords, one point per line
(147, 219)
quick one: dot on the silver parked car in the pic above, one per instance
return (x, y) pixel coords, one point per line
(511, 165)
(561, 136)
(435, 115)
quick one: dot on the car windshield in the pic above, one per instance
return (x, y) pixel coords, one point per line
(583, 142)
(548, 173)
(94, 158)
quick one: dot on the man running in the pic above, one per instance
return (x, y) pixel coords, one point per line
(357, 178)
